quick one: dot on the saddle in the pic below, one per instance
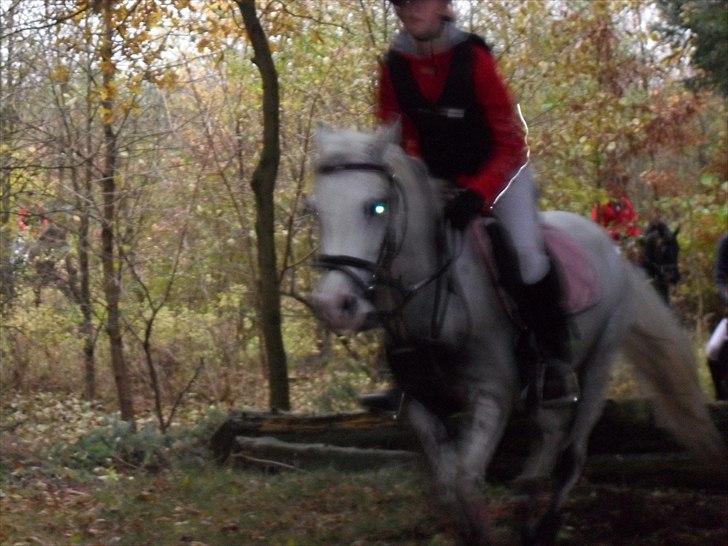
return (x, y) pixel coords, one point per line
(579, 280)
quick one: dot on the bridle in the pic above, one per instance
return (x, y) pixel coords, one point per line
(379, 271)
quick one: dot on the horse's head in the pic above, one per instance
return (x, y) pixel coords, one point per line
(661, 250)
(363, 216)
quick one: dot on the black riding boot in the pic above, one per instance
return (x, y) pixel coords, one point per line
(557, 385)
(719, 375)
(539, 305)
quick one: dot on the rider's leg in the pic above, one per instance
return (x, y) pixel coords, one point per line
(540, 298)
(717, 352)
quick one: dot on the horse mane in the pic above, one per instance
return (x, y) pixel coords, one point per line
(658, 228)
(342, 146)
(403, 165)
(349, 146)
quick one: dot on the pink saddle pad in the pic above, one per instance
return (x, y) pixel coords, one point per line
(582, 289)
(579, 279)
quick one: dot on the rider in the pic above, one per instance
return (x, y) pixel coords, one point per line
(717, 346)
(458, 117)
(617, 214)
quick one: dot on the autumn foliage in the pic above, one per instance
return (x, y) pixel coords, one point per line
(177, 96)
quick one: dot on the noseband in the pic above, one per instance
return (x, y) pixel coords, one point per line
(379, 270)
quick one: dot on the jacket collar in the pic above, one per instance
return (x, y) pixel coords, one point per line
(406, 44)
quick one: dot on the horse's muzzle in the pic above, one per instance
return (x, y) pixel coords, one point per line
(343, 311)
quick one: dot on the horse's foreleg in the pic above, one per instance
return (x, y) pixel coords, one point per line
(533, 489)
(543, 527)
(553, 427)
(478, 443)
(438, 448)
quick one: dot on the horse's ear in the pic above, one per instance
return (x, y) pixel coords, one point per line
(321, 134)
(390, 133)
(677, 230)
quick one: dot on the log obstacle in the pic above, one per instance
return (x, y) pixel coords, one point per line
(625, 443)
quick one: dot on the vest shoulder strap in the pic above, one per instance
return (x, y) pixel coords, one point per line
(477, 41)
(409, 96)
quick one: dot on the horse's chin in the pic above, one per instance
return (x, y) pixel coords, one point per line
(371, 320)
(353, 325)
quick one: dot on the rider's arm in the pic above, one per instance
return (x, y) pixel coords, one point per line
(507, 134)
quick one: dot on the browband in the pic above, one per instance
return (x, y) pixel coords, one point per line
(340, 167)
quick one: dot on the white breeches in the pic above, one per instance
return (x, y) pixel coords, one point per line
(719, 337)
(517, 210)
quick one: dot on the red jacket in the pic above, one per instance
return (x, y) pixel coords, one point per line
(618, 217)
(508, 142)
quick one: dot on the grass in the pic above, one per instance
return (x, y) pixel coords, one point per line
(224, 507)
(213, 506)
(62, 483)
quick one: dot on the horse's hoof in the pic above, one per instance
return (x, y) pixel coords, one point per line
(474, 525)
(446, 501)
(530, 499)
(544, 531)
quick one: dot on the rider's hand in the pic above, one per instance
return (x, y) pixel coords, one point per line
(463, 208)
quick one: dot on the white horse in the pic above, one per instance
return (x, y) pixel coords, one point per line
(451, 339)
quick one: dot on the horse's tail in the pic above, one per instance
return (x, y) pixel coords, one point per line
(661, 353)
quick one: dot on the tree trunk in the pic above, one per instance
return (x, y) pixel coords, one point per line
(7, 132)
(263, 184)
(87, 327)
(80, 282)
(81, 288)
(108, 186)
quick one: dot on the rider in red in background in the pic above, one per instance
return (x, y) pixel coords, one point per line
(27, 220)
(23, 220)
(617, 216)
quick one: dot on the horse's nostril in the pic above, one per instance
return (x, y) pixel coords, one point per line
(349, 304)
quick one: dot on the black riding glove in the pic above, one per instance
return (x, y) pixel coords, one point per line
(463, 208)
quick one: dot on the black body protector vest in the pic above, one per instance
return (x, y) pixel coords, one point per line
(453, 135)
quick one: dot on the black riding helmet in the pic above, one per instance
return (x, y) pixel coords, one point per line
(449, 17)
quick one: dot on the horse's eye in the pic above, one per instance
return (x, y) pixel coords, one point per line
(377, 208)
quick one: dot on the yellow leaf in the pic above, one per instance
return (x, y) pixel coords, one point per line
(108, 92)
(106, 115)
(60, 74)
(107, 67)
(153, 18)
(168, 80)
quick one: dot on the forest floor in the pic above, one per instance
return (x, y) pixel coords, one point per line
(61, 483)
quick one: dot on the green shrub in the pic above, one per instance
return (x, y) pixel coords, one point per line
(115, 445)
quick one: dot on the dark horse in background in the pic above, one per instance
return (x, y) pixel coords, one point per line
(659, 257)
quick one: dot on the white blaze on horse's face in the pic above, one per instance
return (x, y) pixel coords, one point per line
(354, 210)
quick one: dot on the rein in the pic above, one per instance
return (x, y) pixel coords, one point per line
(379, 270)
